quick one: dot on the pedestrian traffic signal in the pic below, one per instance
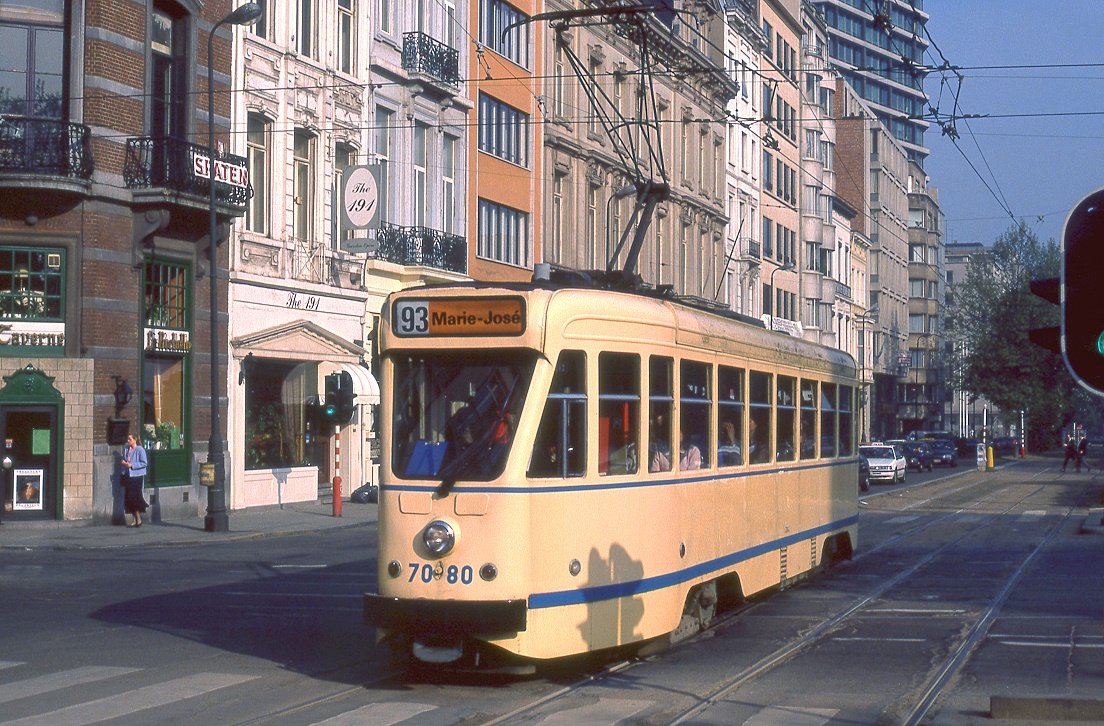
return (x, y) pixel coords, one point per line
(1082, 312)
(337, 406)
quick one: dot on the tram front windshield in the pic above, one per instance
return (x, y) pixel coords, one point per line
(455, 418)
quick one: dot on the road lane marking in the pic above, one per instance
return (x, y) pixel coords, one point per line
(9, 664)
(378, 714)
(605, 711)
(139, 699)
(792, 716)
(57, 681)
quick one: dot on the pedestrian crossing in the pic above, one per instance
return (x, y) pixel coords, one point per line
(127, 693)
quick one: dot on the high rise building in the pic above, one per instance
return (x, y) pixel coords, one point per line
(879, 47)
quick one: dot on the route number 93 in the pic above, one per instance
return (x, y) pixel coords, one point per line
(453, 574)
(412, 317)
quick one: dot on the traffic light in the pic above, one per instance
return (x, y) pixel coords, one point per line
(1082, 312)
(1050, 289)
(337, 407)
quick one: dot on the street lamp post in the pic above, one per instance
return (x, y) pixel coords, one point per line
(787, 265)
(217, 519)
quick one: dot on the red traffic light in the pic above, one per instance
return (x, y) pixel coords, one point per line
(1082, 312)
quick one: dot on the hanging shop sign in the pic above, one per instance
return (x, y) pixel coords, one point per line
(232, 174)
(160, 340)
(32, 335)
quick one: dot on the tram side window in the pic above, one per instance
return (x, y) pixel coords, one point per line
(808, 418)
(828, 420)
(787, 410)
(560, 447)
(660, 402)
(618, 413)
(759, 420)
(846, 422)
(730, 416)
(695, 412)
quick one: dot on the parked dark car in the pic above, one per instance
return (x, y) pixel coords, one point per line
(864, 474)
(918, 454)
(1006, 445)
(943, 452)
(967, 447)
(367, 494)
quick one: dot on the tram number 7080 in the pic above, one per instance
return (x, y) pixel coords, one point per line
(453, 574)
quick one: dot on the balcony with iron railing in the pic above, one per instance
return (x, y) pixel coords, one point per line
(45, 154)
(426, 56)
(421, 246)
(165, 163)
(749, 248)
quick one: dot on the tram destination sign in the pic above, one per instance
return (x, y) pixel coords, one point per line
(437, 317)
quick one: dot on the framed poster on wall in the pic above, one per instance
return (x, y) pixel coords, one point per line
(28, 488)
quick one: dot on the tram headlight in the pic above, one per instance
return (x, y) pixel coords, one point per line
(439, 538)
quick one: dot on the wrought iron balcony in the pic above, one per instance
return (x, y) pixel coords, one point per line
(46, 147)
(168, 163)
(422, 246)
(423, 54)
(749, 248)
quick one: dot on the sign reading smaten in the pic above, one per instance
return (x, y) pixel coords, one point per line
(235, 176)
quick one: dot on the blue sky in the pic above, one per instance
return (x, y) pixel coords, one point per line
(1036, 166)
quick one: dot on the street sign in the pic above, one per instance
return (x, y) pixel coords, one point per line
(360, 245)
(360, 197)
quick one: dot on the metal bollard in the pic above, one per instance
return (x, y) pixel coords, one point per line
(337, 496)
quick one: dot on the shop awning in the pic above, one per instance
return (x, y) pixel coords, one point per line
(365, 388)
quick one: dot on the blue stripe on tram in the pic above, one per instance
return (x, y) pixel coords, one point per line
(649, 584)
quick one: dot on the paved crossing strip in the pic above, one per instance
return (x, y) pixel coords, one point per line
(378, 714)
(130, 702)
(57, 681)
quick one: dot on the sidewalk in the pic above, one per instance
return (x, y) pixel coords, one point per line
(274, 521)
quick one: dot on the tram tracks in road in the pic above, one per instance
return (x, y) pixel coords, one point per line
(918, 703)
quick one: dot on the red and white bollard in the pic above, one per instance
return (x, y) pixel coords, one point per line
(337, 475)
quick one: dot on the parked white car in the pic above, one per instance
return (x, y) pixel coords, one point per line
(887, 463)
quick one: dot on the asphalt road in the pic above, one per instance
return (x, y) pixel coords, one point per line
(966, 587)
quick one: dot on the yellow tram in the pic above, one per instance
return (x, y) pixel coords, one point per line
(570, 469)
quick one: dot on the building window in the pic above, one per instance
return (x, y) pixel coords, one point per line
(303, 186)
(262, 28)
(418, 181)
(503, 131)
(278, 427)
(557, 218)
(32, 283)
(168, 89)
(494, 17)
(448, 184)
(346, 36)
(383, 16)
(33, 59)
(165, 366)
(256, 150)
(166, 296)
(304, 28)
(344, 157)
(503, 234)
(384, 118)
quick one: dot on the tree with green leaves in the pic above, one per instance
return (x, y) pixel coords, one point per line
(992, 312)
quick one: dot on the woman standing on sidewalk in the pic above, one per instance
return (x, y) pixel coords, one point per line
(133, 476)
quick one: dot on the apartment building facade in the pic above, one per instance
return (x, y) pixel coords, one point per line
(343, 104)
(105, 173)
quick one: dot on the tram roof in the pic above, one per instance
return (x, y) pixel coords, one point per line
(617, 282)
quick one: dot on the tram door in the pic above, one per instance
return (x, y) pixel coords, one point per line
(29, 487)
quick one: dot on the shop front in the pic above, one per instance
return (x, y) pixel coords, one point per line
(286, 450)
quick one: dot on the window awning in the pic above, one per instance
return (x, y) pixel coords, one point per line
(365, 388)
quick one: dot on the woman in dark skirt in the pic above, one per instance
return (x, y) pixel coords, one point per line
(134, 475)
